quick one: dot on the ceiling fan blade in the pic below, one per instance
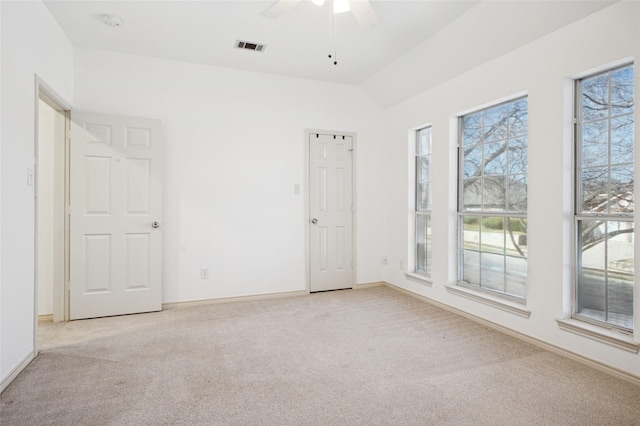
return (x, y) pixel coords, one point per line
(279, 8)
(364, 13)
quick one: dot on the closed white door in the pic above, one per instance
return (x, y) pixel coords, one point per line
(331, 212)
(116, 215)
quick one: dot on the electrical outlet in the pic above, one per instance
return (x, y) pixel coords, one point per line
(385, 260)
(401, 263)
(204, 273)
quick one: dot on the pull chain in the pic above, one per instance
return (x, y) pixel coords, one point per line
(332, 34)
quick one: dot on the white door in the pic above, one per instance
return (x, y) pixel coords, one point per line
(331, 212)
(116, 214)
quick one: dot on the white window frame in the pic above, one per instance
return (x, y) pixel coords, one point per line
(423, 241)
(481, 213)
(579, 216)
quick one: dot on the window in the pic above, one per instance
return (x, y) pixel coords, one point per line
(492, 200)
(604, 204)
(423, 201)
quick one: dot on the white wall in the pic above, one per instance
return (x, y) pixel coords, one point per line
(541, 69)
(234, 144)
(32, 43)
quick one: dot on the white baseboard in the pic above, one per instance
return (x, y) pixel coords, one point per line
(597, 365)
(369, 285)
(6, 381)
(45, 318)
(235, 299)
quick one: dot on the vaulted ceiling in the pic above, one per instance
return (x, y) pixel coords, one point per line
(415, 44)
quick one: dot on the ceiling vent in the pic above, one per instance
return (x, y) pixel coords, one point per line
(247, 45)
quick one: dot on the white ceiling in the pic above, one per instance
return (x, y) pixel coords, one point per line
(298, 42)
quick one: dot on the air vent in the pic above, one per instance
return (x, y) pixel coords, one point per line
(247, 45)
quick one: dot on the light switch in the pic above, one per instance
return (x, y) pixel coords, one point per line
(296, 188)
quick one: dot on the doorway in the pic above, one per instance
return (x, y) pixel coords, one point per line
(51, 195)
(331, 210)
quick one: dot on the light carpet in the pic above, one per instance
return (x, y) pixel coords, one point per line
(354, 357)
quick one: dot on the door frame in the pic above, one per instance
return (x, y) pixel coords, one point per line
(45, 93)
(307, 217)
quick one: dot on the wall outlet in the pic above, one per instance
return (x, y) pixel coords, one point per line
(204, 273)
(385, 260)
(401, 264)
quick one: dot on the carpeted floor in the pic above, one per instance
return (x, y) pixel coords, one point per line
(365, 357)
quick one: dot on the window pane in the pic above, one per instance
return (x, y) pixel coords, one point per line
(620, 268)
(472, 129)
(592, 276)
(595, 98)
(423, 141)
(421, 228)
(518, 118)
(518, 155)
(516, 236)
(424, 197)
(473, 161)
(620, 236)
(424, 170)
(471, 267)
(592, 235)
(471, 232)
(620, 300)
(595, 143)
(472, 194)
(595, 184)
(622, 91)
(517, 193)
(492, 271)
(421, 258)
(605, 284)
(516, 276)
(496, 123)
(591, 291)
(492, 237)
(494, 192)
(495, 158)
(428, 244)
(622, 140)
(621, 196)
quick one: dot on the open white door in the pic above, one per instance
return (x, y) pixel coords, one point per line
(116, 213)
(331, 211)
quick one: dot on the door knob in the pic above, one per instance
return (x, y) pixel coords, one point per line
(314, 220)
(155, 224)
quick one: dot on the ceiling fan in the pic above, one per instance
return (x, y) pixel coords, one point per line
(361, 9)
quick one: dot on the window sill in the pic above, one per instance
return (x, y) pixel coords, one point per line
(600, 334)
(496, 302)
(420, 279)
